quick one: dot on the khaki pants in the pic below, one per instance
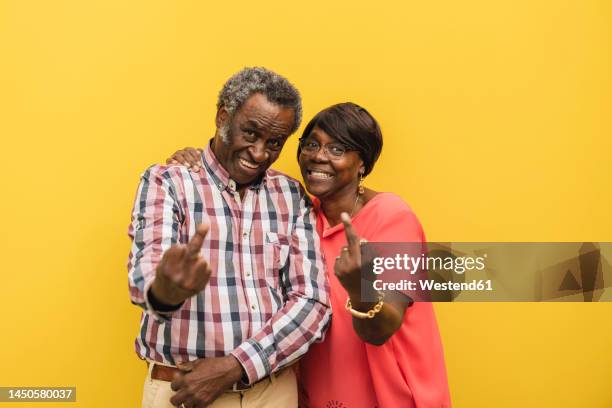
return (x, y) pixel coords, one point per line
(278, 390)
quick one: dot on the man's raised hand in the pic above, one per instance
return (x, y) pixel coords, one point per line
(182, 272)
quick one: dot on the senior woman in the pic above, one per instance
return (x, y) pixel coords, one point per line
(394, 359)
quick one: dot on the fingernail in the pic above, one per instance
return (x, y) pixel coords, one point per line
(345, 217)
(186, 164)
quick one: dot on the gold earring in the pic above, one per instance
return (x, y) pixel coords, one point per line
(361, 190)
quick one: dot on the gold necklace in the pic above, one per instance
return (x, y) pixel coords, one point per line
(355, 205)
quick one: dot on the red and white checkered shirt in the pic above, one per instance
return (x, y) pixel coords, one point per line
(267, 299)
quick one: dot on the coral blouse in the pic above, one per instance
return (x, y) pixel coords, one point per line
(343, 371)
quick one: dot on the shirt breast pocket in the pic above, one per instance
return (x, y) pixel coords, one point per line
(276, 257)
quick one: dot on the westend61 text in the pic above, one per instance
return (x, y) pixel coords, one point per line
(432, 285)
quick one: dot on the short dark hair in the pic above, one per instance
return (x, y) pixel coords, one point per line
(251, 80)
(353, 126)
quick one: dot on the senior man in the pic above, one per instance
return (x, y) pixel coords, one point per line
(226, 262)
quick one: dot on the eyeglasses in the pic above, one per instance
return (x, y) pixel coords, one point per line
(333, 151)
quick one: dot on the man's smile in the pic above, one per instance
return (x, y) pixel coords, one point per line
(249, 164)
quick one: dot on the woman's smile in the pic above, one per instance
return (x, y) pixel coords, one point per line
(316, 175)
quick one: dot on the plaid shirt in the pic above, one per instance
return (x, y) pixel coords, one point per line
(267, 299)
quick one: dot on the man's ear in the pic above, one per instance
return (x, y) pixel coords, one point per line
(222, 117)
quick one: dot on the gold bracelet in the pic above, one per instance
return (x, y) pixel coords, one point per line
(370, 313)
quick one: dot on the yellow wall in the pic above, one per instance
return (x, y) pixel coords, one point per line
(497, 124)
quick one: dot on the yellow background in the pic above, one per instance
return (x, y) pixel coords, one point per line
(496, 118)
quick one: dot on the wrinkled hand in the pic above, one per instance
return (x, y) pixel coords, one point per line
(189, 157)
(348, 264)
(182, 272)
(202, 381)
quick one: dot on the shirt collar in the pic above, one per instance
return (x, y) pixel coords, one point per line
(220, 175)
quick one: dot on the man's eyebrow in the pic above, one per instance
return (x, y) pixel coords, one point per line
(253, 124)
(258, 127)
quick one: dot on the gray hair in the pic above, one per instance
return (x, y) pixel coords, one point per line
(251, 80)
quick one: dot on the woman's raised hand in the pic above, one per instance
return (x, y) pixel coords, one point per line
(189, 157)
(348, 264)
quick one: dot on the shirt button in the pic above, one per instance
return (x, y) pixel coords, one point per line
(254, 307)
(248, 274)
(245, 234)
